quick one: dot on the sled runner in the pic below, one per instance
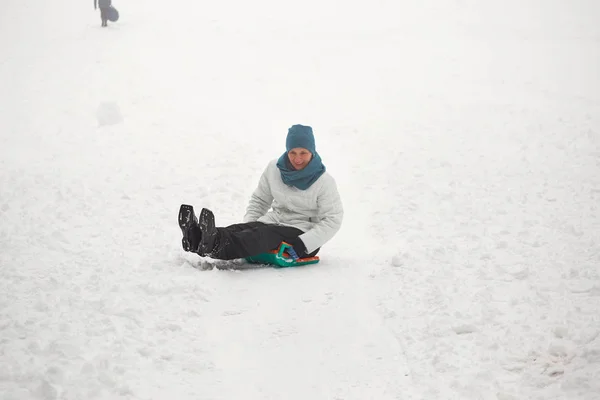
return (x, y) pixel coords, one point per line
(283, 257)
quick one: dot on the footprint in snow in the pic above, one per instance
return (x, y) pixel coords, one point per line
(464, 329)
(229, 313)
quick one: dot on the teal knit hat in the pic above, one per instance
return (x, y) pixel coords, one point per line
(300, 136)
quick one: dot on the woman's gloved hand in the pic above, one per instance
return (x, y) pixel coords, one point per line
(298, 246)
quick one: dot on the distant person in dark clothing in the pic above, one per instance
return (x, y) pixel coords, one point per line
(104, 6)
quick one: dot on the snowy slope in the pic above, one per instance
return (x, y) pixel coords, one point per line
(465, 139)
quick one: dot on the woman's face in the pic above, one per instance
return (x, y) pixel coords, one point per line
(299, 157)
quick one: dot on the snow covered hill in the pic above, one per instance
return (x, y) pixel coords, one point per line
(465, 139)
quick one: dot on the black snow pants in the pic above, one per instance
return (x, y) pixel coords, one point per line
(252, 238)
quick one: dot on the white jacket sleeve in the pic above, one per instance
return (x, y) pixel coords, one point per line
(331, 214)
(260, 201)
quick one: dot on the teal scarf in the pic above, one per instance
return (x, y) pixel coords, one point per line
(304, 178)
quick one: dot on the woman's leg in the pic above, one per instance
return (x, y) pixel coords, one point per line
(104, 16)
(234, 241)
(245, 240)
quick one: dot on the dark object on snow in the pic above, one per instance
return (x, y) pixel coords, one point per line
(107, 12)
(113, 14)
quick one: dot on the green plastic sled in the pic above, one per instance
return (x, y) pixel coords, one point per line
(280, 258)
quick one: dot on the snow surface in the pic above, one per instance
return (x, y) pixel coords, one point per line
(465, 139)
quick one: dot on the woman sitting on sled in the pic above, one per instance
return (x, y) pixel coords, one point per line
(296, 202)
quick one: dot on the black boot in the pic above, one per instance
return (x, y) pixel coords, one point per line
(189, 228)
(208, 232)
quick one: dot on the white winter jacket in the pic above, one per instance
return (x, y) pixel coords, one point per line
(317, 210)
